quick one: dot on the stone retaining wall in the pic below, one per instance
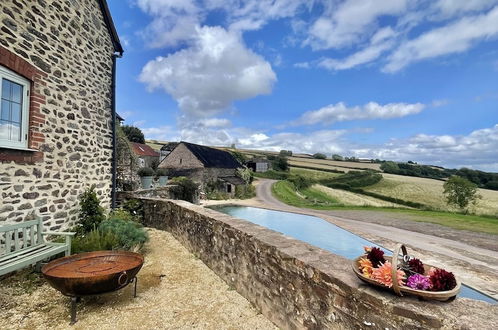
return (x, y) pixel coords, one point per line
(297, 285)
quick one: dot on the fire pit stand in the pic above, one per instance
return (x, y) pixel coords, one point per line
(93, 273)
(77, 299)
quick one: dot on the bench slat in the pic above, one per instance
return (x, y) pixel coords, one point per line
(16, 239)
(31, 259)
(24, 238)
(19, 225)
(32, 235)
(8, 235)
(21, 253)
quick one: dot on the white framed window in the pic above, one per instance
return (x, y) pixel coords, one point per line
(14, 110)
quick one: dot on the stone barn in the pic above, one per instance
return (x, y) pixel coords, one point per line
(258, 164)
(203, 165)
(57, 60)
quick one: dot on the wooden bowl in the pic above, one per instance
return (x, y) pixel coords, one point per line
(427, 295)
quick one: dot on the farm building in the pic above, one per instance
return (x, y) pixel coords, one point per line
(259, 164)
(146, 156)
(166, 150)
(57, 60)
(203, 165)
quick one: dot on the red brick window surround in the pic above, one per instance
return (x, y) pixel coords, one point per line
(36, 119)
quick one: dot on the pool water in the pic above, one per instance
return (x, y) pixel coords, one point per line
(320, 233)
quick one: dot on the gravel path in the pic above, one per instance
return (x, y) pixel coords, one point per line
(175, 291)
(472, 256)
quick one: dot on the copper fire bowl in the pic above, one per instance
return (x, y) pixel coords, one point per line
(93, 272)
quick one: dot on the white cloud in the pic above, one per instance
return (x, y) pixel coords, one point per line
(449, 8)
(174, 21)
(208, 76)
(351, 22)
(477, 149)
(380, 42)
(456, 37)
(372, 110)
(162, 133)
(215, 123)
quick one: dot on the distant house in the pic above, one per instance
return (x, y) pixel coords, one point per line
(258, 164)
(166, 150)
(203, 165)
(145, 154)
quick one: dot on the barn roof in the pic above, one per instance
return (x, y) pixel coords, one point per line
(212, 157)
(140, 149)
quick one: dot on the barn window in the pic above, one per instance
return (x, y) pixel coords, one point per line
(14, 107)
(180, 160)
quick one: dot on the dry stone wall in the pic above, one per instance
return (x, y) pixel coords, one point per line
(69, 43)
(297, 285)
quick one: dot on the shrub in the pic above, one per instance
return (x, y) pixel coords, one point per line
(184, 189)
(355, 179)
(271, 174)
(280, 164)
(245, 191)
(135, 207)
(130, 234)
(162, 172)
(319, 155)
(300, 182)
(95, 240)
(145, 171)
(91, 213)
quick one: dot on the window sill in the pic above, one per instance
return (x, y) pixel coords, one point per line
(18, 148)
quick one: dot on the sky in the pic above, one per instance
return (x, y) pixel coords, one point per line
(394, 79)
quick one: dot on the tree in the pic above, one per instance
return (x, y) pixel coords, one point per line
(280, 164)
(91, 213)
(134, 134)
(460, 192)
(319, 155)
(337, 157)
(285, 153)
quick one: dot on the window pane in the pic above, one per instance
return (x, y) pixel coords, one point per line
(16, 93)
(4, 130)
(5, 89)
(5, 115)
(15, 112)
(15, 132)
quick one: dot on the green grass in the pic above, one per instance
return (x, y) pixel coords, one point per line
(311, 198)
(314, 174)
(285, 192)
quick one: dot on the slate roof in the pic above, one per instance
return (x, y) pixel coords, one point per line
(212, 157)
(140, 149)
(169, 146)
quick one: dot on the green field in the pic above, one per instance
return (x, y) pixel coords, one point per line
(314, 199)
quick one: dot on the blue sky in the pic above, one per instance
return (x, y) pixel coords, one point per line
(393, 79)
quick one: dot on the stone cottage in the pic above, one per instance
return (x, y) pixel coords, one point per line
(203, 165)
(146, 156)
(57, 64)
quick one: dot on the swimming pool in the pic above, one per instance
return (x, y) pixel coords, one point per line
(318, 232)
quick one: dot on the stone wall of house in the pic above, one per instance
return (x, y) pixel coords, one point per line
(69, 47)
(297, 285)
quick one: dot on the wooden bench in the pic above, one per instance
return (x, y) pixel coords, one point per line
(23, 244)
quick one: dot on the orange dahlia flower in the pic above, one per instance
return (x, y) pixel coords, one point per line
(366, 267)
(383, 275)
